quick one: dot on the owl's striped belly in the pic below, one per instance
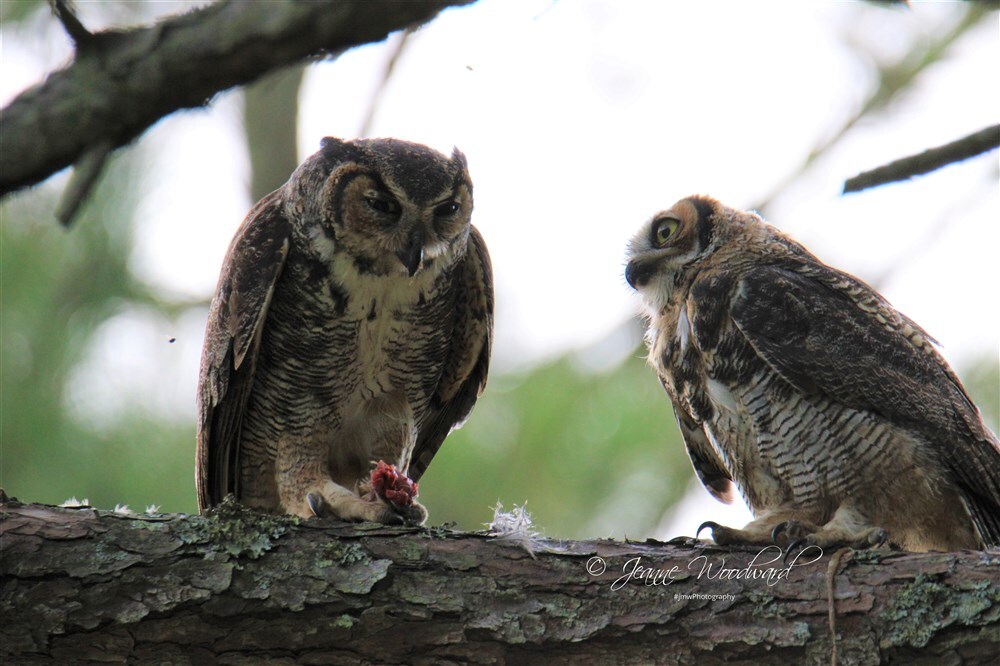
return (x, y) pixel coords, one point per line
(795, 449)
(351, 386)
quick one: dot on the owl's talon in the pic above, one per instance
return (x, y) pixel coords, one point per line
(683, 541)
(316, 504)
(794, 531)
(390, 517)
(707, 524)
(413, 515)
(876, 538)
(778, 530)
(798, 545)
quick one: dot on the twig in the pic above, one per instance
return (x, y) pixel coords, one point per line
(929, 160)
(366, 124)
(63, 9)
(831, 574)
(81, 183)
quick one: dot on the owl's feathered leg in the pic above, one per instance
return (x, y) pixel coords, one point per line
(334, 501)
(758, 531)
(847, 528)
(305, 488)
(792, 529)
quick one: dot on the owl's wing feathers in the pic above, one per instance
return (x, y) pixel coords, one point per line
(825, 332)
(710, 470)
(239, 308)
(464, 375)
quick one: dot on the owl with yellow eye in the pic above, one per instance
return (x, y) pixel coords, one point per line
(800, 387)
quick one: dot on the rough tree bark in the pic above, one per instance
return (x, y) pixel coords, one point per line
(121, 82)
(237, 587)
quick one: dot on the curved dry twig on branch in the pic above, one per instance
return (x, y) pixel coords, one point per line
(122, 82)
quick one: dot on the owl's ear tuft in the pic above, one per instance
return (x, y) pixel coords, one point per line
(336, 150)
(330, 143)
(458, 158)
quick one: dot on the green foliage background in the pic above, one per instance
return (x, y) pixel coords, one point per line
(58, 288)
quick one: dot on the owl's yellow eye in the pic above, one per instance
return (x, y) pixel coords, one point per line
(663, 229)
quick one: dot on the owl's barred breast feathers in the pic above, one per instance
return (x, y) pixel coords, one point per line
(806, 389)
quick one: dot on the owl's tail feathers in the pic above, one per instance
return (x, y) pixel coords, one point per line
(982, 496)
(986, 518)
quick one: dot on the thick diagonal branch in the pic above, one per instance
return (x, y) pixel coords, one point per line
(241, 587)
(124, 81)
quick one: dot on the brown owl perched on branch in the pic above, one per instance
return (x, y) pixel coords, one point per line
(352, 323)
(831, 412)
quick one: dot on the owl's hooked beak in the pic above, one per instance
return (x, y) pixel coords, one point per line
(637, 274)
(413, 256)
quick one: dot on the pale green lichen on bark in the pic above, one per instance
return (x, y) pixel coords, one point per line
(234, 530)
(762, 606)
(924, 607)
(871, 555)
(111, 556)
(572, 618)
(344, 621)
(411, 552)
(344, 553)
(310, 573)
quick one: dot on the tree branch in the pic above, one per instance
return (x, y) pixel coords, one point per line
(124, 81)
(934, 158)
(893, 79)
(81, 584)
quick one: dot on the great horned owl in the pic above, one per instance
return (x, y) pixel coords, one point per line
(832, 413)
(352, 322)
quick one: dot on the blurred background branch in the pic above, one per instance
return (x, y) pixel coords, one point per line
(270, 120)
(976, 143)
(126, 80)
(894, 79)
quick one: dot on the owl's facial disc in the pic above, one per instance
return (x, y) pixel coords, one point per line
(386, 230)
(447, 219)
(665, 245)
(662, 244)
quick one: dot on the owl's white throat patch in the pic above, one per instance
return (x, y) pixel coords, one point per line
(389, 292)
(321, 241)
